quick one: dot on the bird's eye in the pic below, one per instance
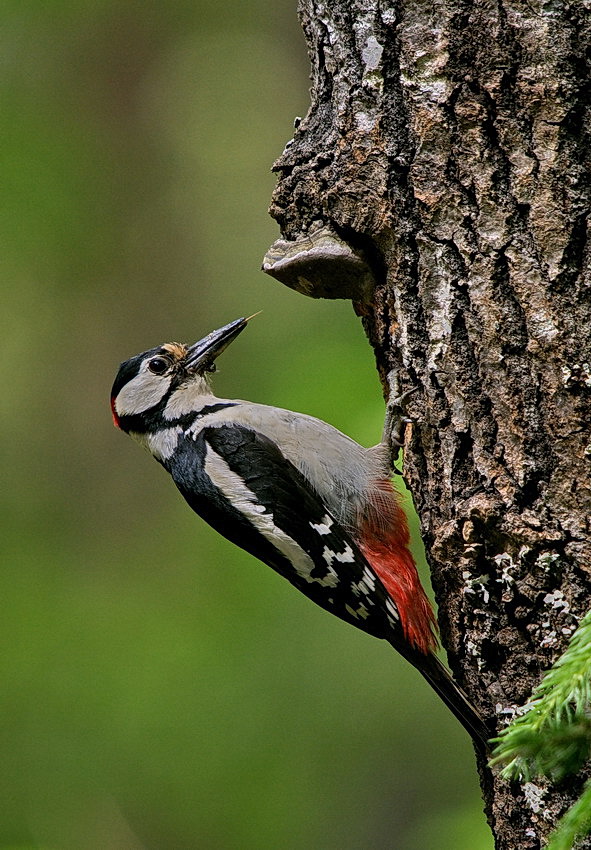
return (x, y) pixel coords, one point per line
(158, 365)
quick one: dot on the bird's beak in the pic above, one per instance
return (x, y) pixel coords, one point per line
(201, 355)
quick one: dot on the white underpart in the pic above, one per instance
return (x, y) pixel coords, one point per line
(142, 392)
(245, 501)
(161, 444)
(324, 526)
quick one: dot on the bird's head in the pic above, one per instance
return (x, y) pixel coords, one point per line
(172, 376)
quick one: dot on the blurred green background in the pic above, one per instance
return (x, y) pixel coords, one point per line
(159, 688)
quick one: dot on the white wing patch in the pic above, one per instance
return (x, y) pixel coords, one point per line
(245, 501)
(339, 472)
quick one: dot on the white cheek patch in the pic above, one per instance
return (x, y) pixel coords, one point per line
(188, 398)
(142, 392)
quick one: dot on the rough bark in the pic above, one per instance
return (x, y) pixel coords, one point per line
(441, 180)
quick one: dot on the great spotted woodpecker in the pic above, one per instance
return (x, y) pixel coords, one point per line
(294, 492)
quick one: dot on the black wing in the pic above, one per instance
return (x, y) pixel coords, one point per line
(239, 482)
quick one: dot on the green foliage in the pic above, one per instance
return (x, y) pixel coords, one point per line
(160, 688)
(553, 737)
(575, 823)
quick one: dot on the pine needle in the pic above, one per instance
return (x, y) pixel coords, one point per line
(574, 824)
(553, 736)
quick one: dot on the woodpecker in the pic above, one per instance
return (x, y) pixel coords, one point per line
(294, 492)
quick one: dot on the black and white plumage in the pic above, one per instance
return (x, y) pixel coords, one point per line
(277, 518)
(293, 491)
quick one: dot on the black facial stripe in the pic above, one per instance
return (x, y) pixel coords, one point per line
(213, 408)
(187, 419)
(153, 420)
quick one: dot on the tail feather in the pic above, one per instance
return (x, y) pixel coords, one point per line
(384, 540)
(440, 679)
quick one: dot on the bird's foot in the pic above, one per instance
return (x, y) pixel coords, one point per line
(396, 419)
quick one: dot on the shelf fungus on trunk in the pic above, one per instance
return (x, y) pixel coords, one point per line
(322, 265)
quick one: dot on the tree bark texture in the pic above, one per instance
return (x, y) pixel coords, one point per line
(441, 180)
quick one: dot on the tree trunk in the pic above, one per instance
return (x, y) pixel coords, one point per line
(441, 180)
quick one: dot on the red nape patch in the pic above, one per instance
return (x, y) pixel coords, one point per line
(116, 422)
(384, 542)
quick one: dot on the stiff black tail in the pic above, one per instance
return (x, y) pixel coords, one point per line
(452, 695)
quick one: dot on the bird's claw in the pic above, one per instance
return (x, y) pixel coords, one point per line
(398, 430)
(396, 420)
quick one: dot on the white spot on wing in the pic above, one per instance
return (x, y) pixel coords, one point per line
(245, 501)
(324, 526)
(328, 555)
(346, 557)
(360, 611)
(363, 612)
(359, 588)
(369, 579)
(392, 609)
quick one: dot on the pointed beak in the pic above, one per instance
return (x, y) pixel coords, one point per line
(201, 355)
